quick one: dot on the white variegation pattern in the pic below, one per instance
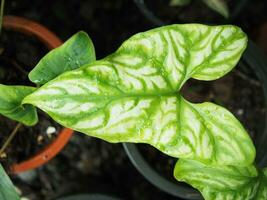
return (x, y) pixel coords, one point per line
(189, 50)
(168, 122)
(223, 182)
(217, 132)
(132, 95)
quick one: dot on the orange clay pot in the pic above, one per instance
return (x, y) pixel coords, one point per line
(51, 41)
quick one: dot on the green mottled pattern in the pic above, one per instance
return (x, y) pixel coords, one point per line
(132, 95)
(10, 104)
(214, 133)
(74, 53)
(179, 52)
(7, 190)
(223, 182)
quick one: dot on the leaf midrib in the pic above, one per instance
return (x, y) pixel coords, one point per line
(112, 97)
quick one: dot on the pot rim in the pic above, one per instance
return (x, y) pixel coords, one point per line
(51, 41)
(155, 178)
(256, 59)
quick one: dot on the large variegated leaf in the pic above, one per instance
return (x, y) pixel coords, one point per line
(223, 182)
(74, 53)
(7, 190)
(132, 95)
(10, 104)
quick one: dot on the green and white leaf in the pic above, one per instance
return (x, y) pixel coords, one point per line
(223, 182)
(10, 104)
(219, 6)
(74, 53)
(213, 133)
(180, 52)
(132, 95)
(179, 2)
(7, 190)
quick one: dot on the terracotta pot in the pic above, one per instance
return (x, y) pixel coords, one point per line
(51, 41)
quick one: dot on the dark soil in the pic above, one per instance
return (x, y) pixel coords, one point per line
(89, 165)
(20, 53)
(28, 140)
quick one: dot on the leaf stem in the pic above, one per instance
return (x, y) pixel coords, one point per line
(247, 78)
(10, 138)
(1, 14)
(16, 65)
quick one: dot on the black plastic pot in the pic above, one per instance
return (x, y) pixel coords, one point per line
(149, 14)
(88, 197)
(256, 60)
(175, 189)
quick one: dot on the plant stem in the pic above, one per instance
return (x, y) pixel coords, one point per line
(16, 65)
(10, 138)
(1, 14)
(247, 78)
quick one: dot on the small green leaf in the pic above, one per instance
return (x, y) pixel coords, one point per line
(223, 182)
(7, 190)
(10, 104)
(74, 53)
(132, 95)
(179, 2)
(219, 6)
